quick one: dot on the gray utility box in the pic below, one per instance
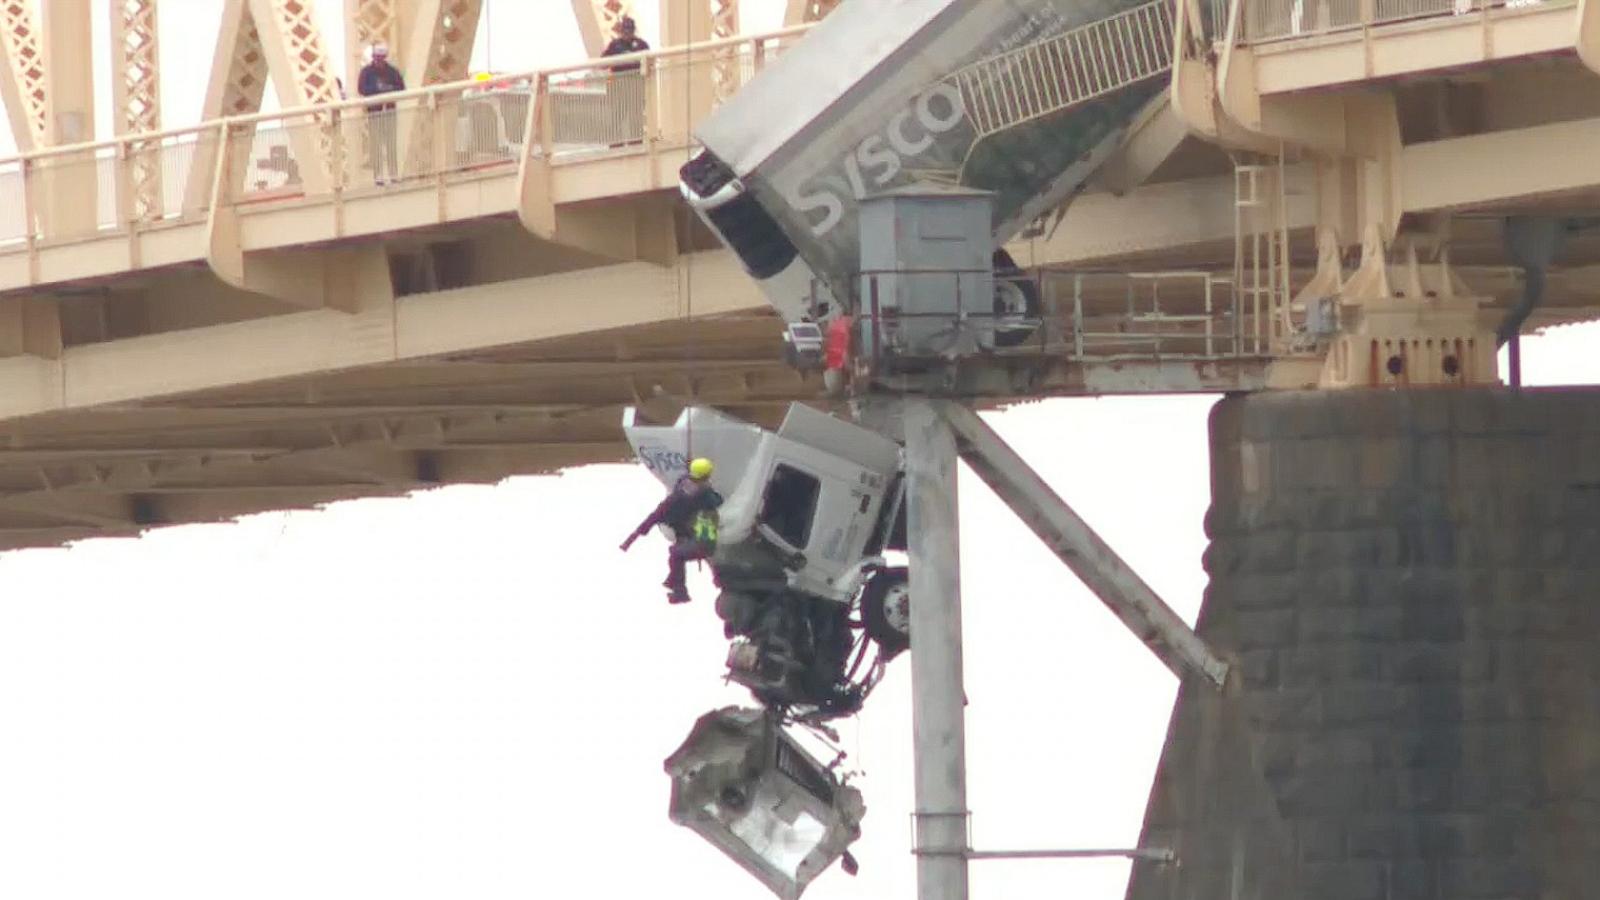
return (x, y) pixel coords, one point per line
(927, 274)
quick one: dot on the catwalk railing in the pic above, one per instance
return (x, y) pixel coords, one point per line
(1074, 314)
(635, 103)
(1274, 20)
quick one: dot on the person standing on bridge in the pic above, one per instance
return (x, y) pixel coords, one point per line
(379, 77)
(627, 41)
(625, 85)
(691, 512)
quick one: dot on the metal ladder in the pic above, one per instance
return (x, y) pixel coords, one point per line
(1261, 256)
(1064, 71)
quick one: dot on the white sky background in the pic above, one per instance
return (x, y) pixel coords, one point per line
(469, 692)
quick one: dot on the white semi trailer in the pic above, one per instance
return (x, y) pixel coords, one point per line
(1021, 98)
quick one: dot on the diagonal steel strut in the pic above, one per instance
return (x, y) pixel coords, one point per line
(1089, 557)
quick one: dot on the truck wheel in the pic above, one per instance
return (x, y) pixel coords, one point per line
(886, 609)
(1016, 300)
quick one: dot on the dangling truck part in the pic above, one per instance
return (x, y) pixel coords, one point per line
(1021, 98)
(808, 511)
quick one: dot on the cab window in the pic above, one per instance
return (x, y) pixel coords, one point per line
(790, 504)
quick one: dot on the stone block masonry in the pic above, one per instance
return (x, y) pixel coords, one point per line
(1408, 584)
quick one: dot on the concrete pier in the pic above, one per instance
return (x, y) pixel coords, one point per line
(1408, 584)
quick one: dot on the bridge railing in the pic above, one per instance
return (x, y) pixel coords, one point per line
(1272, 20)
(642, 102)
(1082, 315)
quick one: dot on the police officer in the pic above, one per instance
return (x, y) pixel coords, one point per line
(691, 512)
(625, 86)
(627, 41)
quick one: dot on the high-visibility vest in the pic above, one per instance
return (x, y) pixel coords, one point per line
(705, 526)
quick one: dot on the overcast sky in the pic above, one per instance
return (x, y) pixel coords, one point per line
(469, 692)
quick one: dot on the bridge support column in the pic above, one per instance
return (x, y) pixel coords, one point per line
(938, 699)
(1407, 579)
(70, 184)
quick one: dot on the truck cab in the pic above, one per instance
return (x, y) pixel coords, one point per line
(810, 512)
(807, 505)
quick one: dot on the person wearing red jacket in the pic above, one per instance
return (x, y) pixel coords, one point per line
(836, 353)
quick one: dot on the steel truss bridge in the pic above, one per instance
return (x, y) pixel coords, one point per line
(240, 315)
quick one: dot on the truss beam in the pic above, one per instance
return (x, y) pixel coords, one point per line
(688, 91)
(303, 75)
(727, 71)
(239, 69)
(237, 83)
(22, 82)
(302, 71)
(261, 39)
(597, 21)
(440, 47)
(368, 22)
(70, 183)
(136, 90)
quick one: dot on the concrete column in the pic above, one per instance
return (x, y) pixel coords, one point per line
(938, 717)
(1408, 582)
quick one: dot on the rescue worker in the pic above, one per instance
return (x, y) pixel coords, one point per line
(379, 77)
(691, 512)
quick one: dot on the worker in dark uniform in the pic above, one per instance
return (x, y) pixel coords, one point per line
(625, 86)
(691, 512)
(379, 77)
(626, 41)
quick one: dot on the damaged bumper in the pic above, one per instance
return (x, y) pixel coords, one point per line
(742, 783)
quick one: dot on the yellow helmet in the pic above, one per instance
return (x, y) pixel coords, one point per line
(700, 469)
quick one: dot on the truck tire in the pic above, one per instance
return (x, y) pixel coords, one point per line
(886, 609)
(1016, 296)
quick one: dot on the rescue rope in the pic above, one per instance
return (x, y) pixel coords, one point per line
(685, 285)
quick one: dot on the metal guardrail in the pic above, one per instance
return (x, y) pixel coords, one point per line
(1064, 71)
(1078, 315)
(620, 104)
(1271, 20)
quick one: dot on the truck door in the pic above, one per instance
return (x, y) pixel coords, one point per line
(789, 506)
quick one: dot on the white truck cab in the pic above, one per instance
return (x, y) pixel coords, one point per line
(810, 503)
